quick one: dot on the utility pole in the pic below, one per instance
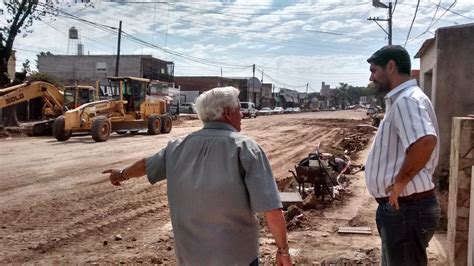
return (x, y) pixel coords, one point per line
(253, 78)
(307, 99)
(389, 23)
(377, 3)
(117, 61)
(220, 82)
(262, 76)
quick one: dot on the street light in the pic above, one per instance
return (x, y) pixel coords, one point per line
(378, 4)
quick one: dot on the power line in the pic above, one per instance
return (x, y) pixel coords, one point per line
(423, 33)
(137, 40)
(279, 82)
(451, 11)
(394, 6)
(188, 57)
(272, 39)
(246, 18)
(411, 25)
(434, 15)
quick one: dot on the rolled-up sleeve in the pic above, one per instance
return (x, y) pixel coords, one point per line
(261, 185)
(412, 121)
(156, 167)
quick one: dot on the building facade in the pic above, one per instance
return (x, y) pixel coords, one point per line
(251, 89)
(87, 69)
(446, 76)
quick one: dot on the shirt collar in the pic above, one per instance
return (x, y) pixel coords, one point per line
(218, 125)
(401, 87)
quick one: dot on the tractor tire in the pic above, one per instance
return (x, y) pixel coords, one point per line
(58, 129)
(100, 129)
(154, 125)
(166, 124)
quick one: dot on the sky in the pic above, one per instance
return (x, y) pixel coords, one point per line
(291, 43)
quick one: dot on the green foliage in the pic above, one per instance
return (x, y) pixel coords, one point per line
(26, 66)
(37, 76)
(346, 94)
(41, 54)
(19, 17)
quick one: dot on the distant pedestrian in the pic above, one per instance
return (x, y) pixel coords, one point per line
(216, 180)
(402, 160)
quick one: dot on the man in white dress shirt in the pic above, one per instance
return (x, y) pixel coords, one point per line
(402, 160)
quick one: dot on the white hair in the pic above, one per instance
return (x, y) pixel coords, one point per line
(210, 105)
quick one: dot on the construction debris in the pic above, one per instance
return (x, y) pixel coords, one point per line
(290, 198)
(354, 143)
(355, 230)
(293, 211)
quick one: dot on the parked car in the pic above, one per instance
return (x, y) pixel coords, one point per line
(296, 110)
(248, 109)
(265, 111)
(372, 110)
(288, 110)
(187, 107)
(278, 110)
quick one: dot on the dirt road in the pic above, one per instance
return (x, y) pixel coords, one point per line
(57, 208)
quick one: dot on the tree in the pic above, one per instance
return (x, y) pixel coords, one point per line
(37, 76)
(41, 54)
(20, 17)
(26, 66)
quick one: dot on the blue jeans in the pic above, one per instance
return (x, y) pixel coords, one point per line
(405, 233)
(254, 263)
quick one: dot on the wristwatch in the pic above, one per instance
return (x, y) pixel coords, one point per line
(284, 251)
(122, 177)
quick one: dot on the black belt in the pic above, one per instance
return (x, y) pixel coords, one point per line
(410, 198)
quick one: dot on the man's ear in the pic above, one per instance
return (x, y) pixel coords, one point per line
(392, 66)
(226, 113)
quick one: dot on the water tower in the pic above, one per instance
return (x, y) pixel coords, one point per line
(74, 42)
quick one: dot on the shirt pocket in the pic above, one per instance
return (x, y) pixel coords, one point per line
(385, 135)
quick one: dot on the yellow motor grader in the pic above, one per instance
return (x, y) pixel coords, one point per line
(131, 108)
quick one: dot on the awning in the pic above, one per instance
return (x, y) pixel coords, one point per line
(288, 98)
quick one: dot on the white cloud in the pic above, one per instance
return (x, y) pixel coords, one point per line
(285, 37)
(332, 25)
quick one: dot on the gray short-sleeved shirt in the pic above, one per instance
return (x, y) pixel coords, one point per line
(217, 179)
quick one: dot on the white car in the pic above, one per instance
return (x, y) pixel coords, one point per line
(187, 108)
(248, 109)
(265, 111)
(372, 111)
(278, 110)
(288, 110)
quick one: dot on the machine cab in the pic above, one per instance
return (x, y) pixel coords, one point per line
(131, 90)
(75, 96)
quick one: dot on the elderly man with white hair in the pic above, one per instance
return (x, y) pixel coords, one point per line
(217, 179)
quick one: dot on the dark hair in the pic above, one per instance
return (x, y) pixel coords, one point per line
(392, 52)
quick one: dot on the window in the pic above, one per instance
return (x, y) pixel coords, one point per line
(101, 67)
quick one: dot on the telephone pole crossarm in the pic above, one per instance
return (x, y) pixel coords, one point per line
(378, 4)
